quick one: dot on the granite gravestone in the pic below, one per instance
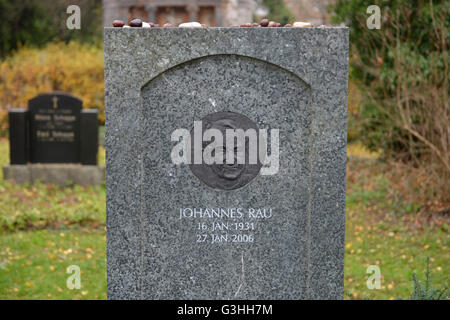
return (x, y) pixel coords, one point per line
(54, 130)
(261, 230)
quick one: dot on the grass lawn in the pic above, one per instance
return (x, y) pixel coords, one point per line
(34, 264)
(44, 229)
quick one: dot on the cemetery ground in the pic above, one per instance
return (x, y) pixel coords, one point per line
(390, 222)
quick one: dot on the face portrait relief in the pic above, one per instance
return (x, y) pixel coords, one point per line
(227, 176)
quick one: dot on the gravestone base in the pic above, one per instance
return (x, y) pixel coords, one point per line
(59, 174)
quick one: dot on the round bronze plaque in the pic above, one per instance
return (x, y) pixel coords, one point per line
(223, 175)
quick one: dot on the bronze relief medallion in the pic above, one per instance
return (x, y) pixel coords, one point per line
(226, 176)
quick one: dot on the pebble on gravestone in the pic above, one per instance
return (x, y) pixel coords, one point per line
(190, 25)
(299, 24)
(264, 22)
(137, 23)
(118, 23)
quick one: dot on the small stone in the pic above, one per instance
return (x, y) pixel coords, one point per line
(246, 25)
(146, 25)
(136, 23)
(118, 23)
(288, 25)
(299, 24)
(190, 25)
(264, 23)
(167, 25)
(126, 26)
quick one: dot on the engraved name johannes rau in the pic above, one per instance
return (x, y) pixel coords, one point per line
(226, 225)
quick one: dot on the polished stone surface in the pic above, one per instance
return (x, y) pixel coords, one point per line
(159, 80)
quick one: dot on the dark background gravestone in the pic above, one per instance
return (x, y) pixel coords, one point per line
(54, 141)
(55, 129)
